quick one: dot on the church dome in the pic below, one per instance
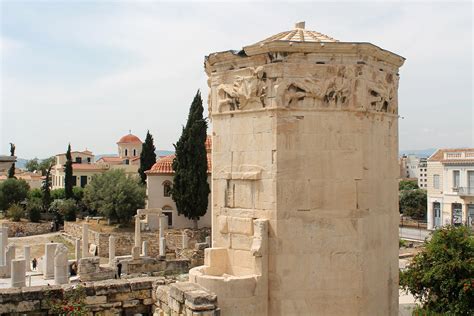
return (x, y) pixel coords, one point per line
(129, 139)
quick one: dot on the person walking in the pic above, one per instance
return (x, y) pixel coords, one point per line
(119, 269)
(34, 262)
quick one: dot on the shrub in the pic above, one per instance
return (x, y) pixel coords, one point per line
(58, 194)
(35, 193)
(68, 209)
(15, 212)
(441, 276)
(13, 191)
(34, 209)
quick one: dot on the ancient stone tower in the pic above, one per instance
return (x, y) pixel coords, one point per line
(304, 201)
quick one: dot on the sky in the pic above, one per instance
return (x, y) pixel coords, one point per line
(87, 72)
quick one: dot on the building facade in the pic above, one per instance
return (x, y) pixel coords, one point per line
(450, 188)
(159, 184)
(84, 165)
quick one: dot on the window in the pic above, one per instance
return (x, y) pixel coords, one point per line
(134, 152)
(89, 159)
(456, 214)
(74, 181)
(126, 152)
(79, 159)
(455, 178)
(83, 181)
(436, 181)
(168, 211)
(167, 189)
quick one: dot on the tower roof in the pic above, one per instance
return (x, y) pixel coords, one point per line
(298, 34)
(129, 139)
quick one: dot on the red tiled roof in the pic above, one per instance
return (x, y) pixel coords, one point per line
(86, 167)
(439, 154)
(165, 165)
(129, 139)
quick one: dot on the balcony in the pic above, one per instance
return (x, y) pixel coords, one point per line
(465, 191)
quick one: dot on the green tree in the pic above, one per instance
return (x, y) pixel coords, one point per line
(15, 212)
(11, 171)
(58, 194)
(413, 203)
(441, 276)
(407, 185)
(68, 174)
(67, 208)
(32, 164)
(46, 189)
(114, 195)
(35, 194)
(190, 187)
(45, 164)
(147, 156)
(13, 191)
(34, 208)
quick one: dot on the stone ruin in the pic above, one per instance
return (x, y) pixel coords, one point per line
(304, 179)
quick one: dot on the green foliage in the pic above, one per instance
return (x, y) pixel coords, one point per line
(68, 174)
(413, 203)
(45, 164)
(78, 193)
(114, 195)
(46, 189)
(35, 194)
(147, 156)
(441, 277)
(15, 212)
(32, 164)
(58, 194)
(12, 191)
(190, 187)
(70, 302)
(34, 208)
(68, 209)
(402, 243)
(407, 185)
(11, 171)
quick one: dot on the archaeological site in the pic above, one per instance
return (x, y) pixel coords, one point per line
(304, 199)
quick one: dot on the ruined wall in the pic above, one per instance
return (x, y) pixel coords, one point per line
(27, 228)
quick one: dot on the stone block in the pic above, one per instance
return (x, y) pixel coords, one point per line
(161, 293)
(142, 283)
(31, 293)
(111, 286)
(200, 297)
(92, 300)
(241, 242)
(178, 289)
(222, 222)
(148, 301)
(11, 295)
(130, 303)
(240, 225)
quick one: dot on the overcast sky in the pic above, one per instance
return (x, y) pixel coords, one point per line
(87, 72)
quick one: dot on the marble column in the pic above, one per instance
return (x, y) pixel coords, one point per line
(18, 274)
(136, 252)
(77, 249)
(85, 240)
(163, 225)
(26, 256)
(138, 240)
(145, 248)
(162, 247)
(9, 256)
(3, 243)
(61, 273)
(111, 249)
(185, 240)
(48, 263)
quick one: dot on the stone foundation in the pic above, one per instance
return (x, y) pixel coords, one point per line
(28, 228)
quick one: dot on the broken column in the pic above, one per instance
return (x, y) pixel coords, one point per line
(185, 241)
(3, 243)
(9, 256)
(18, 274)
(162, 247)
(111, 249)
(163, 224)
(48, 263)
(26, 256)
(77, 249)
(85, 240)
(61, 273)
(145, 248)
(137, 231)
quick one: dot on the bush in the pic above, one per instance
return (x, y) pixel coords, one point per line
(35, 193)
(64, 210)
(408, 185)
(441, 277)
(58, 194)
(15, 212)
(114, 195)
(13, 191)
(34, 209)
(413, 203)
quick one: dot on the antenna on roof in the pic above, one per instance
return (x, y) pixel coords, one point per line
(300, 25)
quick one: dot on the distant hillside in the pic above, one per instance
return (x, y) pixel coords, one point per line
(422, 153)
(20, 163)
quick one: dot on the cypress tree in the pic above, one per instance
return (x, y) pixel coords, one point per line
(68, 174)
(11, 171)
(46, 188)
(147, 156)
(190, 187)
